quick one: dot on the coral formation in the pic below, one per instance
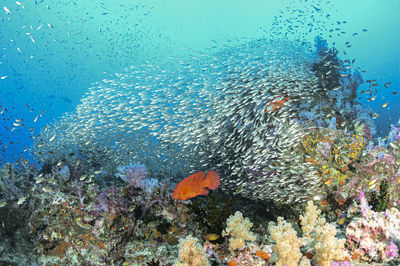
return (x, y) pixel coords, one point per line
(191, 253)
(371, 237)
(317, 236)
(287, 247)
(239, 230)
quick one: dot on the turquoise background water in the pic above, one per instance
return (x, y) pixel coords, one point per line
(65, 46)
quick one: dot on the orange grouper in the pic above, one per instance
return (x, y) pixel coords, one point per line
(196, 185)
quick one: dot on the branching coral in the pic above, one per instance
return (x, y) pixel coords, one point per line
(321, 236)
(310, 220)
(317, 235)
(327, 248)
(191, 253)
(133, 174)
(239, 229)
(287, 244)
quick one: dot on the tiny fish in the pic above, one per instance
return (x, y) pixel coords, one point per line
(211, 237)
(372, 184)
(393, 145)
(394, 93)
(387, 84)
(53, 137)
(20, 4)
(262, 254)
(3, 77)
(3, 203)
(384, 105)
(39, 180)
(47, 189)
(7, 10)
(21, 200)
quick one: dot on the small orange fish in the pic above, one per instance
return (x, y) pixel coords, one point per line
(309, 255)
(262, 254)
(232, 263)
(196, 185)
(279, 104)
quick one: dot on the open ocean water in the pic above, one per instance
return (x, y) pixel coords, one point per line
(199, 132)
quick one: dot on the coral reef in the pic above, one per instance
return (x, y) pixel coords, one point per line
(15, 180)
(71, 218)
(16, 247)
(279, 122)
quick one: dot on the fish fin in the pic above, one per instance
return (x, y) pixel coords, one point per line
(204, 192)
(196, 177)
(212, 180)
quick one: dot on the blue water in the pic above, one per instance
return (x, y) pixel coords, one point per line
(52, 51)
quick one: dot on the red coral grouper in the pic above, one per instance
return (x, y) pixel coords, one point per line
(196, 185)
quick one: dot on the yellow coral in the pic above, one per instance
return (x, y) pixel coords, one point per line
(316, 234)
(321, 236)
(328, 248)
(239, 229)
(310, 220)
(191, 253)
(287, 244)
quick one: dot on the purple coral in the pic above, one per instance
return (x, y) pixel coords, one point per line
(133, 174)
(373, 236)
(364, 204)
(394, 133)
(392, 251)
